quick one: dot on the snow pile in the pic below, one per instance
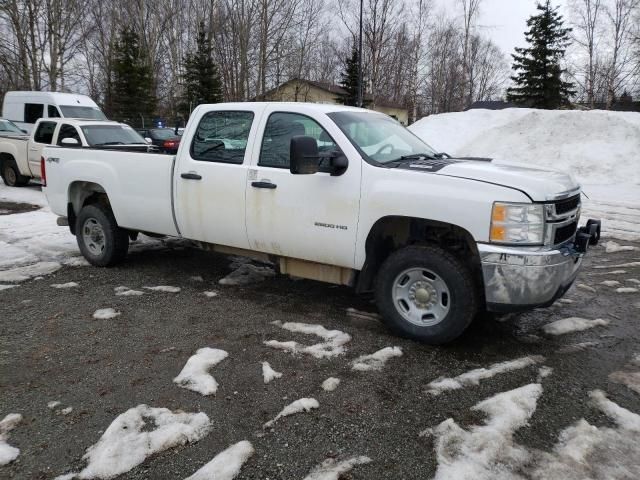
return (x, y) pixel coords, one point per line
(269, 373)
(332, 469)
(8, 453)
(611, 247)
(333, 345)
(572, 324)
(227, 464)
(105, 314)
(128, 441)
(123, 291)
(473, 377)
(164, 288)
(299, 406)
(376, 360)
(598, 147)
(330, 384)
(244, 272)
(195, 375)
(65, 285)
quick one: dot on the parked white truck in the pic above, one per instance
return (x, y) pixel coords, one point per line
(340, 195)
(20, 154)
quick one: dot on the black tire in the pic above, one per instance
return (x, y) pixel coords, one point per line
(462, 298)
(11, 174)
(114, 245)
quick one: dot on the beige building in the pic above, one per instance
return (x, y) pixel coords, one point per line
(300, 90)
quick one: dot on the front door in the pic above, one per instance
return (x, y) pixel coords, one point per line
(310, 217)
(210, 178)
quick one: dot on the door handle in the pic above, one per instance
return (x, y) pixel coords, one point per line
(191, 176)
(264, 185)
(34, 149)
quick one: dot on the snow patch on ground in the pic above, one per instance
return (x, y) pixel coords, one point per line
(8, 453)
(629, 379)
(65, 285)
(123, 291)
(210, 294)
(612, 247)
(473, 377)
(195, 375)
(66, 411)
(627, 290)
(376, 360)
(299, 406)
(620, 265)
(610, 283)
(573, 324)
(578, 347)
(269, 373)
(330, 384)
(331, 347)
(27, 272)
(244, 272)
(7, 287)
(53, 404)
(332, 469)
(227, 464)
(105, 314)
(586, 287)
(633, 280)
(164, 288)
(128, 442)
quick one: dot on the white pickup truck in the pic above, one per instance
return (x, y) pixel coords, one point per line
(20, 153)
(340, 195)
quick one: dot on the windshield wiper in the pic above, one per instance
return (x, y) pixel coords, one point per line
(107, 143)
(410, 158)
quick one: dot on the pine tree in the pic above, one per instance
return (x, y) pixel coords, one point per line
(201, 81)
(349, 81)
(538, 80)
(132, 89)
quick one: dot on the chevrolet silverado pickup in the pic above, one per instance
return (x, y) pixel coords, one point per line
(340, 195)
(20, 153)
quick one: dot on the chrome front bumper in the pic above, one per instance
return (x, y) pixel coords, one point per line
(523, 278)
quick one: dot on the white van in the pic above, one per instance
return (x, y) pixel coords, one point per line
(25, 108)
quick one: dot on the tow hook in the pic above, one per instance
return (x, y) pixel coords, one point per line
(587, 235)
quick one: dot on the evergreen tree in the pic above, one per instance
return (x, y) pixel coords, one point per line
(538, 80)
(349, 80)
(201, 81)
(132, 89)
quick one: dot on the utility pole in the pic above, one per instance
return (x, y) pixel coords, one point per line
(360, 99)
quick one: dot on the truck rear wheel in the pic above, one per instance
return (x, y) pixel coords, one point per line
(427, 294)
(100, 239)
(11, 175)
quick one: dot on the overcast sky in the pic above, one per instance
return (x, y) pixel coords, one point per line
(504, 21)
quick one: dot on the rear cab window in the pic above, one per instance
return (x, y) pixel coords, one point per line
(222, 136)
(44, 132)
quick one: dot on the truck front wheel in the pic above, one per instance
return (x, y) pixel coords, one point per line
(100, 239)
(427, 294)
(11, 175)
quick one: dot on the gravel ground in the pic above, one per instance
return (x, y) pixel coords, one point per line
(52, 349)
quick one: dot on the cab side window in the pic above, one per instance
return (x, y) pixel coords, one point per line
(44, 133)
(281, 128)
(222, 137)
(52, 111)
(68, 131)
(32, 112)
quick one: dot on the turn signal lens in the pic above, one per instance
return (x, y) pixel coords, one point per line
(499, 213)
(498, 234)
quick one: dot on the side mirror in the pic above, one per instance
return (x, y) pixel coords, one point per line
(303, 155)
(69, 142)
(148, 140)
(24, 131)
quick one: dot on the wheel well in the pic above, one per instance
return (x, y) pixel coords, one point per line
(81, 194)
(392, 233)
(5, 157)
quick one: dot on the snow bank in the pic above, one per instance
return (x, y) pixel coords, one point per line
(473, 377)
(572, 324)
(8, 453)
(330, 384)
(227, 464)
(332, 469)
(376, 360)
(164, 288)
(331, 347)
(105, 314)
(128, 441)
(269, 373)
(195, 375)
(299, 406)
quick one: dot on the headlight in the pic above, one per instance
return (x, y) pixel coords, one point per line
(517, 223)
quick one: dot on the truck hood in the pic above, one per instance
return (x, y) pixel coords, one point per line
(538, 184)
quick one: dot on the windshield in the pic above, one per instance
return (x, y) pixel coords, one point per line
(9, 126)
(97, 135)
(380, 138)
(73, 111)
(163, 133)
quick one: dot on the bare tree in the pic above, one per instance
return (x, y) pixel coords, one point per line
(586, 27)
(471, 9)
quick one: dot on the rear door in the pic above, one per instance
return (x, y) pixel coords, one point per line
(310, 217)
(42, 137)
(211, 175)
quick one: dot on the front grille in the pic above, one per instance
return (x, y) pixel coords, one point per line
(562, 234)
(568, 205)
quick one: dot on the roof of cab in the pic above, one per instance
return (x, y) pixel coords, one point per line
(297, 106)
